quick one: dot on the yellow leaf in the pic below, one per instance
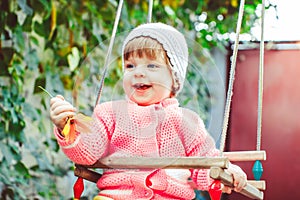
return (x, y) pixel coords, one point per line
(234, 3)
(65, 132)
(69, 130)
(80, 123)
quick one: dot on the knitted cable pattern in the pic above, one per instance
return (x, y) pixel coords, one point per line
(124, 129)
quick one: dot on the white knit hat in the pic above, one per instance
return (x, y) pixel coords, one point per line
(172, 41)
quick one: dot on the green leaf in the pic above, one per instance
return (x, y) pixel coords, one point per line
(107, 12)
(43, 29)
(250, 9)
(5, 175)
(7, 153)
(20, 192)
(25, 8)
(61, 15)
(40, 81)
(22, 169)
(73, 59)
(19, 38)
(32, 59)
(34, 40)
(27, 25)
(6, 55)
(42, 7)
(14, 117)
(44, 103)
(47, 6)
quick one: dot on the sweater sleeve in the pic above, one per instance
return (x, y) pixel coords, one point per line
(87, 148)
(198, 143)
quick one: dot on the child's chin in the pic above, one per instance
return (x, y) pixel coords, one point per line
(142, 103)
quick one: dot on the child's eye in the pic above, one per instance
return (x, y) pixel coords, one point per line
(129, 66)
(152, 66)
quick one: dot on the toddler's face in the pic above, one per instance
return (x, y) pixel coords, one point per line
(147, 81)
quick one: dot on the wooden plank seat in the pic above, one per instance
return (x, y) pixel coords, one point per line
(215, 164)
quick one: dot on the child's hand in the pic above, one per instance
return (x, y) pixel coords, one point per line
(239, 179)
(60, 111)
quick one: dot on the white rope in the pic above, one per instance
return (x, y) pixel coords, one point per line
(231, 78)
(150, 7)
(107, 58)
(260, 81)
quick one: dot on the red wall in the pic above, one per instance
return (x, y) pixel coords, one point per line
(281, 119)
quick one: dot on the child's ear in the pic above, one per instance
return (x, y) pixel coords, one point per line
(175, 87)
(173, 93)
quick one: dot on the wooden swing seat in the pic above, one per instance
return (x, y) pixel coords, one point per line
(215, 164)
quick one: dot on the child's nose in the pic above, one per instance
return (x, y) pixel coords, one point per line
(140, 71)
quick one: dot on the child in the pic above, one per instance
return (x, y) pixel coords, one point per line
(148, 123)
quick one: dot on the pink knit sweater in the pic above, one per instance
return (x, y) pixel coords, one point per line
(124, 129)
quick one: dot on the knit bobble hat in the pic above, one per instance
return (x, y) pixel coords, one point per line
(171, 40)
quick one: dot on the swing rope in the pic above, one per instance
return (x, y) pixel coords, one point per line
(111, 43)
(231, 78)
(107, 58)
(150, 7)
(260, 81)
(79, 185)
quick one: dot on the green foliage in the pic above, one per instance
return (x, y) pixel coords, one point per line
(61, 44)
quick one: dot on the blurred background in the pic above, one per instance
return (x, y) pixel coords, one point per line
(61, 46)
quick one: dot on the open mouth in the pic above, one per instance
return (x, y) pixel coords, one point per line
(141, 86)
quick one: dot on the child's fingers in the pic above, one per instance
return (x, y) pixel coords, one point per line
(226, 189)
(239, 177)
(60, 111)
(62, 106)
(60, 120)
(60, 97)
(58, 105)
(63, 116)
(56, 99)
(240, 181)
